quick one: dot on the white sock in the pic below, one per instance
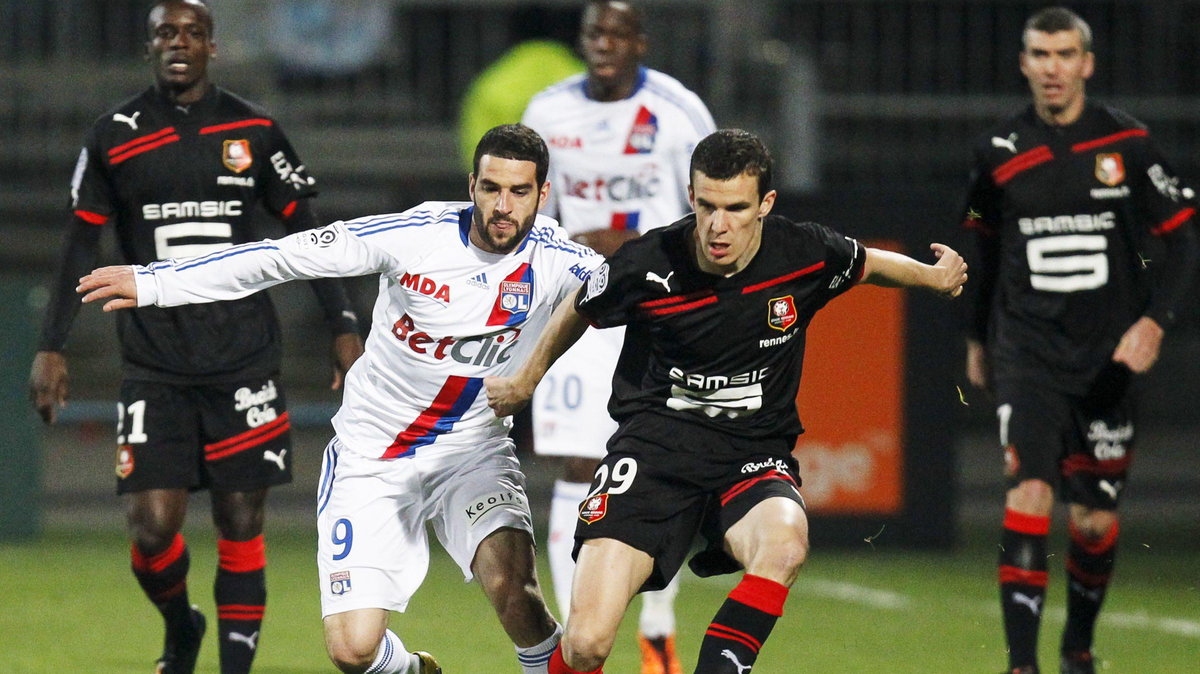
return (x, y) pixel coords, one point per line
(536, 659)
(564, 513)
(658, 611)
(392, 657)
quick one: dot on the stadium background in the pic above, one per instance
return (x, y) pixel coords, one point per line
(869, 106)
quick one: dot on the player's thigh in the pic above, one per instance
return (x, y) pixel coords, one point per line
(1034, 424)
(479, 489)
(1100, 452)
(643, 504)
(247, 434)
(608, 573)
(570, 406)
(157, 438)
(372, 551)
(772, 539)
(355, 632)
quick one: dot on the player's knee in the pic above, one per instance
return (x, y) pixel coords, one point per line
(350, 653)
(586, 649)
(1034, 497)
(1092, 524)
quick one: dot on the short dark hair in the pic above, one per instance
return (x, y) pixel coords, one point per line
(202, 9)
(728, 153)
(514, 141)
(636, 18)
(1055, 19)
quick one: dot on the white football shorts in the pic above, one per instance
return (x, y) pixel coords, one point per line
(372, 547)
(570, 405)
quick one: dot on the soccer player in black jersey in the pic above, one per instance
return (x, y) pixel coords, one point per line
(177, 171)
(716, 306)
(1065, 198)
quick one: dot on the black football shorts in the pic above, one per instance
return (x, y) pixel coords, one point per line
(1082, 444)
(656, 499)
(223, 437)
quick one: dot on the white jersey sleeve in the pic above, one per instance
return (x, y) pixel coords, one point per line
(236, 272)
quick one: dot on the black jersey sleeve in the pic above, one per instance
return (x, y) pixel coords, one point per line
(283, 177)
(331, 292)
(79, 253)
(845, 260)
(606, 298)
(1169, 211)
(91, 189)
(981, 216)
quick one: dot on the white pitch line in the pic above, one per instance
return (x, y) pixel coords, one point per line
(894, 601)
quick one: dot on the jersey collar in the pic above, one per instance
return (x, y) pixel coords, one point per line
(464, 230)
(637, 85)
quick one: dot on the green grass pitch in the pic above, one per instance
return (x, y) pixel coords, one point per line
(71, 605)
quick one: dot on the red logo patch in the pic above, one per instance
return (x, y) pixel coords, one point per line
(236, 155)
(594, 508)
(124, 461)
(1110, 169)
(1012, 462)
(781, 313)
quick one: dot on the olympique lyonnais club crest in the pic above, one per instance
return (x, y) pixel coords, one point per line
(515, 296)
(641, 136)
(1110, 169)
(594, 508)
(339, 582)
(781, 313)
(236, 155)
(124, 461)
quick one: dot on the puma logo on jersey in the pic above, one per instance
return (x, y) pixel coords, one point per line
(1111, 488)
(736, 663)
(277, 459)
(1009, 143)
(1034, 603)
(131, 120)
(251, 641)
(666, 282)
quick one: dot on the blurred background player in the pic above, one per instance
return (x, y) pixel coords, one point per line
(180, 170)
(1067, 198)
(464, 290)
(620, 138)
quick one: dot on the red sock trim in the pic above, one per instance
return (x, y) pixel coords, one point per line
(1023, 523)
(1012, 574)
(156, 563)
(240, 612)
(1097, 547)
(242, 556)
(559, 666)
(723, 632)
(761, 593)
(1088, 580)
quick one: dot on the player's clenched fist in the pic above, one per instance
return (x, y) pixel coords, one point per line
(505, 396)
(105, 282)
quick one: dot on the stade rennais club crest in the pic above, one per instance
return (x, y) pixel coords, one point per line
(781, 313)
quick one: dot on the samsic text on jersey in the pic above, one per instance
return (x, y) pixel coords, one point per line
(1065, 213)
(721, 351)
(176, 182)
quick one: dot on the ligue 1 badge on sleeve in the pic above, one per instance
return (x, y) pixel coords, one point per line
(781, 314)
(236, 155)
(594, 508)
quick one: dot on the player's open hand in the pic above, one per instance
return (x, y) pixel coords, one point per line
(505, 396)
(951, 268)
(110, 282)
(1139, 346)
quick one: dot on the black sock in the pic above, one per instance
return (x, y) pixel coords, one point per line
(1023, 583)
(736, 634)
(163, 577)
(241, 593)
(1089, 566)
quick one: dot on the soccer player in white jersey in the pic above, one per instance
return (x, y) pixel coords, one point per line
(465, 288)
(621, 136)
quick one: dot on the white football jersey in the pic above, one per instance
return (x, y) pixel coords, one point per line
(620, 164)
(447, 315)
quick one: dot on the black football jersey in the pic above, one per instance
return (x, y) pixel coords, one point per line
(1063, 215)
(177, 181)
(724, 352)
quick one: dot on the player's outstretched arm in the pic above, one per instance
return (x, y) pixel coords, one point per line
(946, 277)
(104, 283)
(509, 395)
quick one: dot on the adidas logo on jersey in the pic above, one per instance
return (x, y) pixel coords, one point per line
(478, 281)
